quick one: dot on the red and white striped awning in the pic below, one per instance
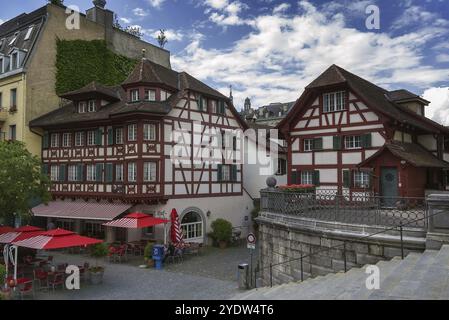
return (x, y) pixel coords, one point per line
(20, 234)
(56, 239)
(136, 221)
(105, 211)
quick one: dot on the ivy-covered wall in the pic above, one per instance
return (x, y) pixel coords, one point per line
(80, 62)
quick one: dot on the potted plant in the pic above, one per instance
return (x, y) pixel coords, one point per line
(221, 232)
(148, 255)
(98, 251)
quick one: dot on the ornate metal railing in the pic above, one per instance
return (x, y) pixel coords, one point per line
(355, 207)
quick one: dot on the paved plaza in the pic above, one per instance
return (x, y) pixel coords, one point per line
(213, 275)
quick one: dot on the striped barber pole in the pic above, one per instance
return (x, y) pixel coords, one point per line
(175, 231)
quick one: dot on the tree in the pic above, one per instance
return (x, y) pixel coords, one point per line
(132, 30)
(21, 181)
(161, 38)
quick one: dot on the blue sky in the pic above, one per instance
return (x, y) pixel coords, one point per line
(269, 50)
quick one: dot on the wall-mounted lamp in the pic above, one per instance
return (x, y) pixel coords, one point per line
(208, 213)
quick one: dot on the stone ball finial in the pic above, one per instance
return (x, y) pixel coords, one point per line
(271, 182)
(99, 3)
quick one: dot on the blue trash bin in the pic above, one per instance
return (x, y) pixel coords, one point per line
(158, 256)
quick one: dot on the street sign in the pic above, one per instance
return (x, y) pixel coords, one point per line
(251, 238)
(251, 241)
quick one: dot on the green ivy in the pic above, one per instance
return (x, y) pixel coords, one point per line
(80, 62)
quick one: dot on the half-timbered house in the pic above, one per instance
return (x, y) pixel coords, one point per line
(348, 135)
(148, 145)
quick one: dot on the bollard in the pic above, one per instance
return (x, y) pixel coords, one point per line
(243, 276)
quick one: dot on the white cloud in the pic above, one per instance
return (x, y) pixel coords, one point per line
(2, 21)
(172, 35)
(140, 12)
(283, 54)
(156, 3)
(281, 8)
(225, 12)
(438, 110)
(125, 20)
(444, 57)
(416, 16)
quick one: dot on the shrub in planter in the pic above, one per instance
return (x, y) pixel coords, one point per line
(298, 188)
(221, 232)
(97, 251)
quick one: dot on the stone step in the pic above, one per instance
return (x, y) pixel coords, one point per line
(411, 282)
(395, 276)
(434, 282)
(385, 269)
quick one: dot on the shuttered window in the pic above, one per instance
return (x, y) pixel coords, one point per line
(72, 173)
(353, 142)
(91, 138)
(306, 177)
(118, 135)
(67, 140)
(54, 173)
(119, 172)
(362, 179)
(91, 172)
(54, 140)
(79, 139)
(308, 145)
(149, 132)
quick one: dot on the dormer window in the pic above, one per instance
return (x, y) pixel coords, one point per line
(81, 107)
(14, 60)
(28, 34)
(150, 95)
(334, 101)
(134, 95)
(91, 106)
(13, 40)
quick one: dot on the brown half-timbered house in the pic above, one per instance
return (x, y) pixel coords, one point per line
(147, 145)
(346, 134)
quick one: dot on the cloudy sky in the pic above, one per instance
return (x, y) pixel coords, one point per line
(269, 50)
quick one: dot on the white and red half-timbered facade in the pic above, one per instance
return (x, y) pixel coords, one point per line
(154, 143)
(351, 136)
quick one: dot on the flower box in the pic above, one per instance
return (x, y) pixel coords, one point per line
(298, 188)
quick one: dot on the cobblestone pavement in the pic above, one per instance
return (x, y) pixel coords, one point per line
(212, 275)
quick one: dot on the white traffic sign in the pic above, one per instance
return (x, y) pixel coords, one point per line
(251, 246)
(251, 238)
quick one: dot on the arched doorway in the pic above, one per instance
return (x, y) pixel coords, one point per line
(192, 225)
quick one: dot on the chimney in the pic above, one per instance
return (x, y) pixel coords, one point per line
(100, 15)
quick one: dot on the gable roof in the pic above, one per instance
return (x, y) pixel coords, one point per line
(375, 97)
(413, 153)
(92, 90)
(149, 72)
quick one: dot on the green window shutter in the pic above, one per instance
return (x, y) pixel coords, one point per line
(45, 169)
(219, 172)
(110, 136)
(45, 140)
(62, 172)
(337, 143)
(80, 172)
(371, 176)
(366, 140)
(99, 172)
(294, 177)
(234, 172)
(316, 177)
(318, 144)
(346, 178)
(200, 103)
(222, 107)
(98, 137)
(109, 169)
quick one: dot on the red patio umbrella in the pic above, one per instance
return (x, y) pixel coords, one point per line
(56, 239)
(20, 234)
(5, 229)
(175, 231)
(136, 221)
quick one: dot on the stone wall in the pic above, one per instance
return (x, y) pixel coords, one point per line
(283, 238)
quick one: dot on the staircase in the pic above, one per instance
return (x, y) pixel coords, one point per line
(418, 276)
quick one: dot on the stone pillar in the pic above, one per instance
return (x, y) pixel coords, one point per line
(110, 235)
(438, 221)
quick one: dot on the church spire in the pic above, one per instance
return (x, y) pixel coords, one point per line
(230, 94)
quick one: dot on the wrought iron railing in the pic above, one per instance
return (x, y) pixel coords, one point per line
(356, 207)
